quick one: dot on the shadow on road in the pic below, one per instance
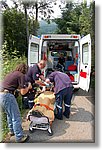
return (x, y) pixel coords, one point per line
(59, 129)
(90, 95)
(81, 115)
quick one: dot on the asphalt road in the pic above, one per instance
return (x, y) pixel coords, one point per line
(78, 128)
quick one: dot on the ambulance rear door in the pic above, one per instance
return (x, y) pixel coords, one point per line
(33, 50)
(85, 62)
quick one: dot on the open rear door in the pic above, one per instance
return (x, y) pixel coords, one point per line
(85, 62)
(33, 50)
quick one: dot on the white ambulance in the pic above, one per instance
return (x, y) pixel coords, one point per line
(75, 50)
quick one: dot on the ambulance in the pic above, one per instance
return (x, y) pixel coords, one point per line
(75, 50)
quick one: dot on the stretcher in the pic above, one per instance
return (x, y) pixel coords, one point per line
(39, 122)
(41, 115)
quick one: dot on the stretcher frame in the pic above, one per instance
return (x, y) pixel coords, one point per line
(39, 123)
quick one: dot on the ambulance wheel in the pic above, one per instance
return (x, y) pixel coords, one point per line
(50, 132)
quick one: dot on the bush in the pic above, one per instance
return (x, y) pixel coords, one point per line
(9, 65)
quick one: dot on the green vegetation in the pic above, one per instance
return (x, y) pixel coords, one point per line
(10, 64)
(15, 41)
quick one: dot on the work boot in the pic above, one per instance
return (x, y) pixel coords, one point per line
(59, 114)
(11, 133)
(58, 117)
(67, 115)
(23, 139)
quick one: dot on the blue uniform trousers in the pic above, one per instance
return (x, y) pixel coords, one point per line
(66, 96)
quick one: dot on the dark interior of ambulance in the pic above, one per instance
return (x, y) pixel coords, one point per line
(69, 51)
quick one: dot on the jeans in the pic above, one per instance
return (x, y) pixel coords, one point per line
(9, 104)
(66, 95)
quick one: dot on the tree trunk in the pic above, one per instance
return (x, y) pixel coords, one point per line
(27, 28)
(36, 7)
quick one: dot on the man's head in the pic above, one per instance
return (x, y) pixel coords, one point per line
(42, 64)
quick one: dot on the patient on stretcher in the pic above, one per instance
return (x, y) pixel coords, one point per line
(44, 104)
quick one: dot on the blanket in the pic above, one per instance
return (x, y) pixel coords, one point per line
(44, 103)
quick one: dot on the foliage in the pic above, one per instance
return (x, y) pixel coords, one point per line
(5, 129)
(85, 24)
(10, 64)
(92, 13)
(33, 10)
(69, 22)
(76, 18)
(39, 8)
(15, 31)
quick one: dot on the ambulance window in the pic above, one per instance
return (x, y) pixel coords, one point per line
(85, 53)
(34, 53)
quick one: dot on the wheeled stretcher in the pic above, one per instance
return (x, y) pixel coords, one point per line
(39, 122)
(41, 115)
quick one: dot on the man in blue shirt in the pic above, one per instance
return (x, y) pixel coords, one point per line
(63, 89)
(33, 74)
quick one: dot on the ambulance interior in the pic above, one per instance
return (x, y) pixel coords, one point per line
(52, 50)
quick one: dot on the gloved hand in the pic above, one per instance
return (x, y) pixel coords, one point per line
(29, 86)
(47, 81)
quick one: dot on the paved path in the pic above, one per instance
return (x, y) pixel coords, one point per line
(79, 128)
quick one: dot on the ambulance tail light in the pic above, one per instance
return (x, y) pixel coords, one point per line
(46, 37)
(75, 36)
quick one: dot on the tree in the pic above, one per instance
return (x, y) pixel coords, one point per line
(87, 25)
(69, 22)
(85, 20)
(41, 8)
(32, 9)
(92, 13)
(15, 32)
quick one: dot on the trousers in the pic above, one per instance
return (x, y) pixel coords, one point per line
(66, 96)
(9, 104)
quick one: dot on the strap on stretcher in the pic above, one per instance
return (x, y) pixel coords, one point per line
(47, 107)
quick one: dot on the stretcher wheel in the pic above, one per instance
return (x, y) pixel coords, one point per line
(31, 130)
(50, 132)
